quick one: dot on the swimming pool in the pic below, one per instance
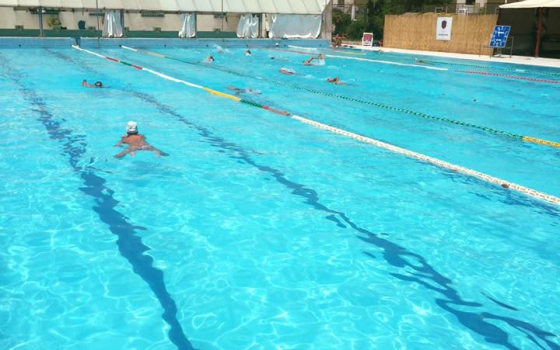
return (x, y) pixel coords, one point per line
(263, 232)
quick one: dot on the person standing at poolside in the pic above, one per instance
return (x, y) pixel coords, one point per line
(135, 142)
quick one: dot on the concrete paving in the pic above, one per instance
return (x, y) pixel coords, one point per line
(505, 58)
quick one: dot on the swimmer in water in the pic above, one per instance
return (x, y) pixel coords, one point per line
(135, 142)
(97, 84)
(417, 60)
(210, 59)
(246, 90)
(320, 60)
(287, 71)
(336, 81)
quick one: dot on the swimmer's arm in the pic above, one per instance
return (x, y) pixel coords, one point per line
(120, 142)
(124, 153)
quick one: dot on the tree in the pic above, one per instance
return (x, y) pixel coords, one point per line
(375, 17)
(356, 29)
(341, 21)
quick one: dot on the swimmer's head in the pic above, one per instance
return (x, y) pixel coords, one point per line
(98, 84)
(131, 128)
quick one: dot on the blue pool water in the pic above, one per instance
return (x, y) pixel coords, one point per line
(261, 232)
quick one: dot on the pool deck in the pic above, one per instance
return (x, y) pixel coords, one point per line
(504, 58)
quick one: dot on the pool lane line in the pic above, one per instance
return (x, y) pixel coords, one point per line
(510, 76)
(395, 149)
(415, 268)
(369, 60)
(330, 49)
(129, 243)
(516, 70)
(214, 92)
(446, 69)
(165, 76)
(530, 139)
(379, 105)
(541, 141)
(389, 62)
(427, 159)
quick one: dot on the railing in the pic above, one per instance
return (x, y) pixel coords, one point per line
(510, 40)
(462, 9)
(496, 51)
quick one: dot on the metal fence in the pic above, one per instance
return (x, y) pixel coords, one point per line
(462, 9)
(357, 12)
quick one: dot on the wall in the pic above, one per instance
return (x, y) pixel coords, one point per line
(209, 23)
(9, 18)
(18, 42)
(134, 21)
(70, 19)
(469, 34)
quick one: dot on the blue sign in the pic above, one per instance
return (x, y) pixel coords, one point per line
(499, 37)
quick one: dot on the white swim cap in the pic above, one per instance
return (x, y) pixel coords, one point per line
(131, 127)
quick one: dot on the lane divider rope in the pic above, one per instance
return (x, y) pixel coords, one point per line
(371, 103)
(516, 70)
(314, 50)
(370, 60)
(487, 178)
(510, 76)
(481, 176)
(447, 63)
(388, 62)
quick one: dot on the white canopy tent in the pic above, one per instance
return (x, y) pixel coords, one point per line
(529, 10)
(289, 13)
(303, 7)
(527, 4)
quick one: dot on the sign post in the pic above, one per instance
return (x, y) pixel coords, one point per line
(499, 37)
(443, 29)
